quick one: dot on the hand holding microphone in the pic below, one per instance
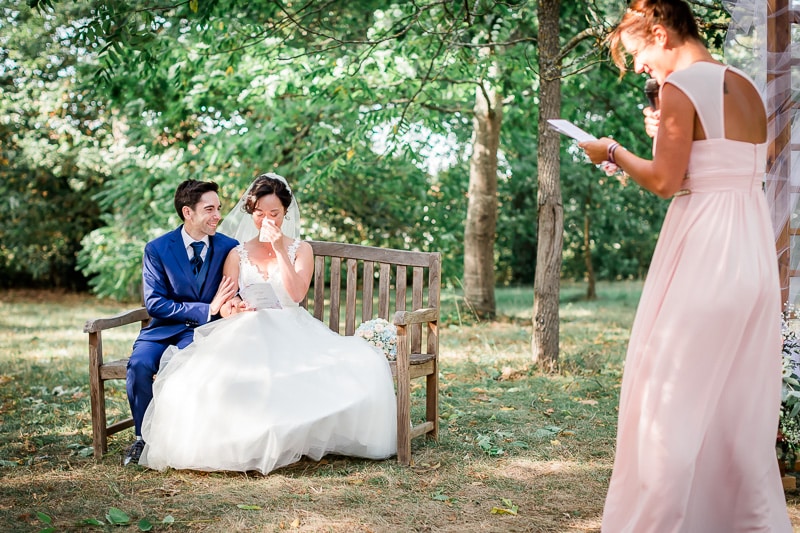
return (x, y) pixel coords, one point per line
(652, 115)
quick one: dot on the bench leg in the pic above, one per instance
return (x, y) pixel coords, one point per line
(432, 401)
(97, 395)
(403, 417)
(98, 401)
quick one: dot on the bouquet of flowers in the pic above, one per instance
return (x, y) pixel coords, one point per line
(789, 421)
(381, 334)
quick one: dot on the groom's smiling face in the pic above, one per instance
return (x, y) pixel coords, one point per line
(203, 218)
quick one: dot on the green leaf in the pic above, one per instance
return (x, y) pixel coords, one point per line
(439, 497)
(547, 432)
(86, 452)
(145, 525)
(249, 507)
(47, 530)
(117, 517)
(509, 508)
(44, 518)
(168, 520)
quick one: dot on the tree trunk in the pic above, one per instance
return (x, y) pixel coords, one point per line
(551, 212)
(591, 289)
(479, 233)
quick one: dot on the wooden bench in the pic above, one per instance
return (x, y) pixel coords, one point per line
(338, 296)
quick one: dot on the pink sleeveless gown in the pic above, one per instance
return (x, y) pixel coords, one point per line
(700, 395)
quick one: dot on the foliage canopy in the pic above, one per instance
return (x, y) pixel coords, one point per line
(364, 106)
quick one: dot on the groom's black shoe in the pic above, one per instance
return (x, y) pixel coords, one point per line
(133, 453)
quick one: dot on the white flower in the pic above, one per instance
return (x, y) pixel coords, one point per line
(380, 334)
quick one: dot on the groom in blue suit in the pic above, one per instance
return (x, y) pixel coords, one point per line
(183, 288)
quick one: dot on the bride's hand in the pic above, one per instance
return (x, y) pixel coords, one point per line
(225, 291)
(270, 232)
(234, 306)
(243, 306)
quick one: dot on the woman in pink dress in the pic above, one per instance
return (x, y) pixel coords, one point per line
(700, 394)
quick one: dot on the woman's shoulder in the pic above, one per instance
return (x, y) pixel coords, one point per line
(300, 244)
(699, 69)
(299, 248)
(242, 250)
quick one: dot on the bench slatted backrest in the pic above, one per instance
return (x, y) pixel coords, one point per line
(359, 264)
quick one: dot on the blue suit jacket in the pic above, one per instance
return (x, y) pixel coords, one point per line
(171, 295)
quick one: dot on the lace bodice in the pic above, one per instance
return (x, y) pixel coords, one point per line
(260, 291)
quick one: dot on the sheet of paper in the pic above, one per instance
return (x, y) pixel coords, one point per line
(568, 128)
(262, 296)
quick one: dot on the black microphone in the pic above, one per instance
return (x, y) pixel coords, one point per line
(651, 91)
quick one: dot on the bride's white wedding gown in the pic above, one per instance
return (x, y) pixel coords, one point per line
(260, 389)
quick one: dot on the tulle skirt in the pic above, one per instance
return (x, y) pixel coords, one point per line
(259, 390)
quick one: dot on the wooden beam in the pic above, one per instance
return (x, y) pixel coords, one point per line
(778, 161)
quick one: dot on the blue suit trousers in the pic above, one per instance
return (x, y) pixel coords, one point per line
(142, 368)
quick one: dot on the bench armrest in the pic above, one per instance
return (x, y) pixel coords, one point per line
(420, 316)
(128, 317)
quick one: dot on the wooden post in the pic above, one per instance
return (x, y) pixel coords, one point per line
(778, 106)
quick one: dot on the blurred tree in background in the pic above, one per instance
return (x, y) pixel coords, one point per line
(55, 140)
(366, 108)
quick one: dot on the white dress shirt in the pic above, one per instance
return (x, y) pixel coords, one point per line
(187, 243)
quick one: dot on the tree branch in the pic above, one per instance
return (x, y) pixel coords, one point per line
(575, 41)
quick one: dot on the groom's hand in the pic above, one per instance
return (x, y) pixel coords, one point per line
(233, 306)
(225, 291)
(227, 309)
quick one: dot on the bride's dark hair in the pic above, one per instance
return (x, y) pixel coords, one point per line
(265, 185)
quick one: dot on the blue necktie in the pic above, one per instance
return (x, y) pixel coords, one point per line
(197, 261)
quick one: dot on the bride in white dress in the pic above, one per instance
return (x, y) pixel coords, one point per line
(268, 384)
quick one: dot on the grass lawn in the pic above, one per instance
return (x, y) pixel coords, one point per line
(519, 450)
